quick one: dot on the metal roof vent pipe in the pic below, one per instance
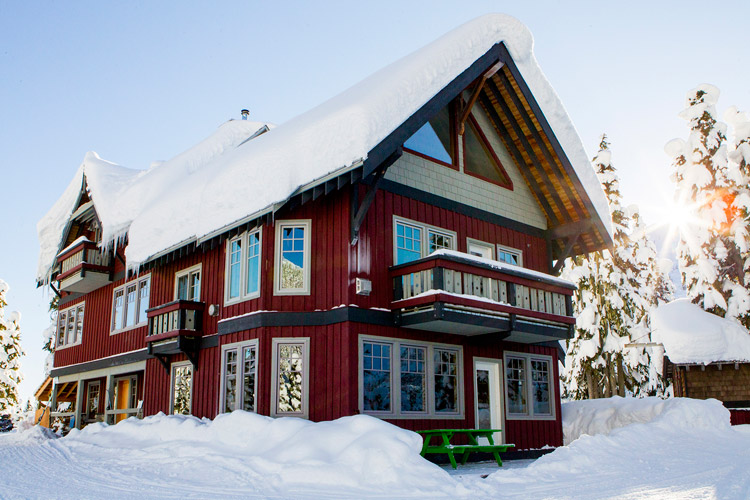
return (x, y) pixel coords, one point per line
(245, 113)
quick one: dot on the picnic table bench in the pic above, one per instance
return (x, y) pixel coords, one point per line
(447, 448)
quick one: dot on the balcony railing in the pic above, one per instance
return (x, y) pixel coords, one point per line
(471, 283)
(83, 267)
(174, 319)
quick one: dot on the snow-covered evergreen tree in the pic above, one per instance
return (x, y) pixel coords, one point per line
(10, 355)
(713, 246)
(616, 291)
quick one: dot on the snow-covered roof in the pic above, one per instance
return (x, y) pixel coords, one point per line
(693, 336)
(334, 137)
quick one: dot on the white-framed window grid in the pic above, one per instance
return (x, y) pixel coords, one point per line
(181, 388)
(239, 377)
(402, 354)
(291, 377)
(187, 283)
(70, 326)
(292, 263)
(529, 386)
(510, 255)
(243, 267)
(413, 240)
(129, 304)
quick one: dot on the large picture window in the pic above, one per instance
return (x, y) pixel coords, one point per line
(70, 326)
(182, 388)
(402, 379)
(289, 390)
(292, 259)
(239, 379)
(528, 386)
(413, 240)
(243, 267)
(129, 304)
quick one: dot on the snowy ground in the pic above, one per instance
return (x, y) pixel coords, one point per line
(676, 450)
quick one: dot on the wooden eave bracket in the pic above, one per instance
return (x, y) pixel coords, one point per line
(466, 110)
(358, 217)
(566, 253)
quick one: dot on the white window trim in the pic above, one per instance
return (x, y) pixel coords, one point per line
(172, 368)
(426, 229)
(395, 412)
(240, 346)
(66, 311)
(124, 286)
(307, 264)
(483, 244)
(243, 267)
(275, 344)
(515, 251)
(187, 272)
(529, 415)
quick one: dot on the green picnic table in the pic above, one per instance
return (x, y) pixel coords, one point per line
(450, 449)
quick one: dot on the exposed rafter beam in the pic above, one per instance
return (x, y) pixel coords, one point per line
(475, 94)
(566, 253)
(359, 217)
(542, 145)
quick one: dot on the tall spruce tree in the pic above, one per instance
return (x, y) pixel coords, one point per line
(712, 250)
(616, 291)
(10, 355)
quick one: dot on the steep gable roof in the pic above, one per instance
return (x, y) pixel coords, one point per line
(358, 130)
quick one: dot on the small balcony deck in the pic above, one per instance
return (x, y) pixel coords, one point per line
(457, 293)
(83, 267)
(175, 327)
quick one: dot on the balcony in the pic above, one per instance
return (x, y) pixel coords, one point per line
(458, 293)
(173, 328)
(83, 267)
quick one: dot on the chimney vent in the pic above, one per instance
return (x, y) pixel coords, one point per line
(245, 113)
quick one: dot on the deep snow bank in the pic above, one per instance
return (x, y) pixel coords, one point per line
(602, 416)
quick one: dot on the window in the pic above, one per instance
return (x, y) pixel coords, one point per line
(243, 267)
(479, 159)
(239, 385)
(92, 400)
(424, 381)
(182, 388)
(292, 263)
(289, 390)
(435, 139)
(528, 386)
(413, 240)
(70, 326)
(509, 255)
(130, 303)
(188, 284)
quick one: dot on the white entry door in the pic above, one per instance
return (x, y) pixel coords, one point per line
(488, 397)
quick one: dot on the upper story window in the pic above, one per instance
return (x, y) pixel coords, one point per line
(413, 240)
(292, 259)
(129, 304)
(509, 255)
(438, 140)
(528, 386)
(243, 267)
(188, 284)
(70, 326)
(480, 248)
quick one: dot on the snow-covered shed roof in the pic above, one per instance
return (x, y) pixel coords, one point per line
(356, 130)
(693, 336)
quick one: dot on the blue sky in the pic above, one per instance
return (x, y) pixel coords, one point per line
(140, 82)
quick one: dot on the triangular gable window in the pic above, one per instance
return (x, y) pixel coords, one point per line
(479, 159)
(433, 140)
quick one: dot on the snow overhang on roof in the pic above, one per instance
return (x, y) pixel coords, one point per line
(351, 135)
(693, 336)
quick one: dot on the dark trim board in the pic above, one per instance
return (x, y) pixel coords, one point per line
(315, 318)
(458, 207)
(98, 364)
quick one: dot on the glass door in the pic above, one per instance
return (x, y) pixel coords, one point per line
(488, 403)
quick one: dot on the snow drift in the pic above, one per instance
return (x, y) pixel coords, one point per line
(602, 416)
(691, 335)
(249, 179)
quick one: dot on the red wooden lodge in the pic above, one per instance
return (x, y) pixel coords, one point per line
(414, 280)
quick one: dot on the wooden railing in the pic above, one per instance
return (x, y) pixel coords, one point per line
(85, 252)
(470, 277)
(176, 318)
